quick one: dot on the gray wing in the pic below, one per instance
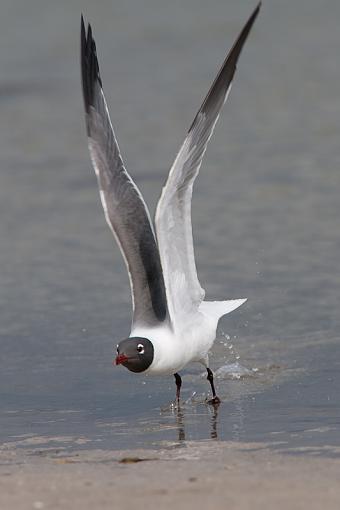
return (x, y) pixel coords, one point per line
(125, 210)
(173, 214)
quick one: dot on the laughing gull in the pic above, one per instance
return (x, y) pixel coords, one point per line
(172, 325)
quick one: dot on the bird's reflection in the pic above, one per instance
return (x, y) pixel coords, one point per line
(213, 422)
(180, 424)
(180, 415)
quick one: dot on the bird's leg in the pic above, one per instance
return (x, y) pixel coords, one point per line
(215, 400)
(178, 380)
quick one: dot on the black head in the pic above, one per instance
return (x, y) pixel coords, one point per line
(135, 353)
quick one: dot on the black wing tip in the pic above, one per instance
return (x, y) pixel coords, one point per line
(257, 8)
(89, 64)
(238, 45)
(226, 73)
(254, 14)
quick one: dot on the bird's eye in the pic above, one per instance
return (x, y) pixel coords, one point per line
(117, 349)
(140, 348)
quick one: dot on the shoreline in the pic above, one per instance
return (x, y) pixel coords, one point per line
(211, 474)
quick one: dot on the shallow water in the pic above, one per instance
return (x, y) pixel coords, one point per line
(266, 222)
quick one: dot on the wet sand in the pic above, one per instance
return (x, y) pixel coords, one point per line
(209, 475)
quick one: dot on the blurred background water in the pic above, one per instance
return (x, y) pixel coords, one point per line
(266, 224)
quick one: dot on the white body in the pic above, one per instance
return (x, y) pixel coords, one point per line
(175, 348)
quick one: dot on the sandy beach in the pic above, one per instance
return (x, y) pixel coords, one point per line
(210, 475)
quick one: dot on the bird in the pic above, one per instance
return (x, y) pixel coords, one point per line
(172, 323)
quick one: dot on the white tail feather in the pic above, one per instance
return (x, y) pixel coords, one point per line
(217, 309)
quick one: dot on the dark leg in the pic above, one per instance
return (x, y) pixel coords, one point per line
(210, 377)
(178, 384)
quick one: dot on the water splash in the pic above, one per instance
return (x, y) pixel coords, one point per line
(234, 371)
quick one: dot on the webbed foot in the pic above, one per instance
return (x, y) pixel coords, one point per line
(215, 401)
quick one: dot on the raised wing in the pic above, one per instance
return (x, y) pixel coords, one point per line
(125, 210)
(173, 214)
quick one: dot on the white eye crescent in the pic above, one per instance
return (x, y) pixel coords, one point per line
(140, 348)
(117, 349)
